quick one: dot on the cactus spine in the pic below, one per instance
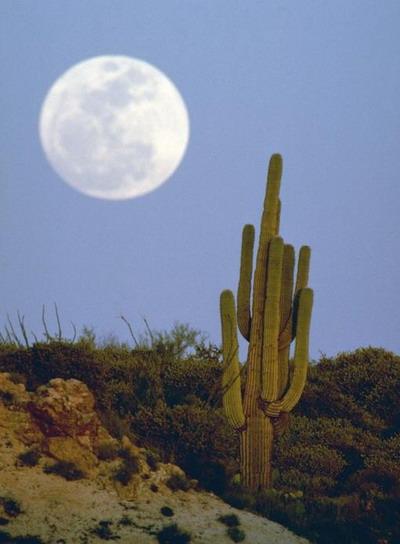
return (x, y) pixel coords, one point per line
(280, 312)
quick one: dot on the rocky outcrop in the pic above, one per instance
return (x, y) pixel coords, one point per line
(65, 479)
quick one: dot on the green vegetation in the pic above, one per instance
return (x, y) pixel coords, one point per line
(104, 531)
(128, 467)
(236, 534)
(230, 520)
(280, 312)
(10, 506)
(152, 459)
(336, 475)
(178, 482)
(108, 451)
(6, 538)
(167, 511)
(30, 457)
(172, 534)
(65, 469)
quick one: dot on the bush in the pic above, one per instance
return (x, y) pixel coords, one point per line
(236, 534)
(65, 469)
(108, 451)
(171, 534)
(128, 467)
(6, 538)
(11, 506)
(230, 520)
(167, 511)
(361, 386)
(190, 379)
(104, 531)
(195, 437)
(29, 457)
(152, 459)
(178, 482)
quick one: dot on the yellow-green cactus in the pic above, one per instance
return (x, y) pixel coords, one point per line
(280, 312)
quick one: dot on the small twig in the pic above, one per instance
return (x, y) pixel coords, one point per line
(8, 336)
(13, 333)
(58, 323)
(130, 329)
(46, 330)
(74, 329)
(149, 331)
(23, 329)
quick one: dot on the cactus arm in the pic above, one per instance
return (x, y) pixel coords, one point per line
(293, 394)
(286, 286)
(269, 367)
(244, 289)
(285, 327)
(285, 335)
(303, 269)
(232, 397)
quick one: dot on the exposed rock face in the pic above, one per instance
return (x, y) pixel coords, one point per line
(65, 408)
(59, 424)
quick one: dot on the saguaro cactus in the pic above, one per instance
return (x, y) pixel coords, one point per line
(280, 312)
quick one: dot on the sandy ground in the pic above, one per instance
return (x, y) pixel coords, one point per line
(60, 511)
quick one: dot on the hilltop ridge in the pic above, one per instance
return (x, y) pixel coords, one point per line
(65, 479)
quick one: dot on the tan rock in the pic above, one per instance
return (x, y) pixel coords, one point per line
(69, 450)
(65, 408)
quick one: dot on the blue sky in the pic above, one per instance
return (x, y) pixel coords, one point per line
(318, 82)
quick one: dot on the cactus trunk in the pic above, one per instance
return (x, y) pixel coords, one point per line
(256, 452)
(278, 314)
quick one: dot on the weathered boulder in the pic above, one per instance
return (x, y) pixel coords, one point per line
(65, 408)
(65, 448)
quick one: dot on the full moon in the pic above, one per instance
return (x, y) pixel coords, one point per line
(114, 127)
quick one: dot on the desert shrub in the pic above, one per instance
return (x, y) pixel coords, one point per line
(10, 506)
(178, 343)
(65, 469)
(167, 511)
(116, 425)
(387, 456)
(283, 507)
(361, 386)
(178, 482)
(126, 521)
(313, 459)
(107, 451)
(236, 534)
(131, 383)
(103, 530)
(6, 538)
(184, 379)
(172, 534)
(128, 467)
(7, 397)
(230, 520)
(195, 437)
(239, 497)
(29, 457)
(152, 459)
